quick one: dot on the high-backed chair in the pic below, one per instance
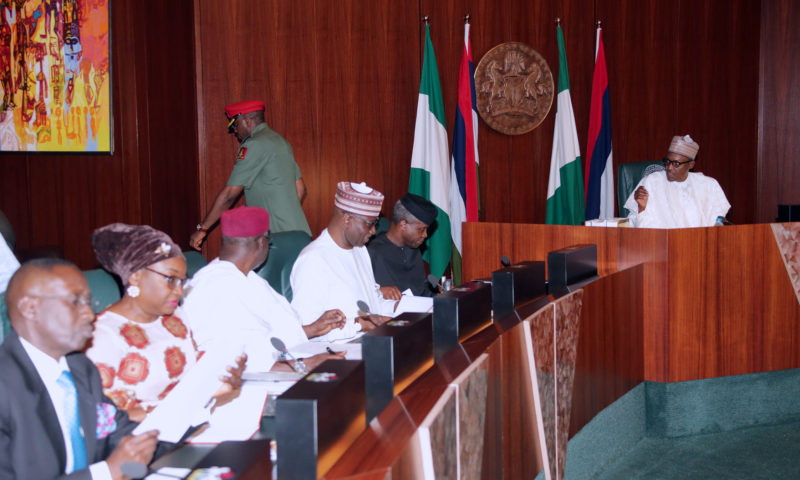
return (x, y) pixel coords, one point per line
(5, 323)
(104, 287)
(7, 231)
(194, 262)
(628, 176)
(285, 248)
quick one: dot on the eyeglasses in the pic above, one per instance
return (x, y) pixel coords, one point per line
(674, 163)
(371, 225)
(77, 301)
(232, 124)
(172, 281)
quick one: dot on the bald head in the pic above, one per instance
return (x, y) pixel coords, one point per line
(247, 253)
(49, 305)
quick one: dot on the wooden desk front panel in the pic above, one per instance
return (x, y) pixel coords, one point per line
(610, 342)
(731, 305)
(716, 301)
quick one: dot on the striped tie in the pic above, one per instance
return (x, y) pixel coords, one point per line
(73, 418)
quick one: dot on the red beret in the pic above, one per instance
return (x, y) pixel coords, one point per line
(244, 222)
(244, 107)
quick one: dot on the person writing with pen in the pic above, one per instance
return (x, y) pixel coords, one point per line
(335, 271)
(227, 301)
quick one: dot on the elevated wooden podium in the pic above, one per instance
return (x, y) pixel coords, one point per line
(716, 301)
(667, 306)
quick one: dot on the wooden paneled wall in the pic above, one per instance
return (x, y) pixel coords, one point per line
(341, 84)
(151, 178)
(341, 80)
(778, 108)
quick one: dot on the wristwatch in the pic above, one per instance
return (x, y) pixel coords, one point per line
(200, 228)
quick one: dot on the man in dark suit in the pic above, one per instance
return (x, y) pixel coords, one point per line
(54, 419)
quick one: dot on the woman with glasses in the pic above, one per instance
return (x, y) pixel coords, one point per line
(141, 344)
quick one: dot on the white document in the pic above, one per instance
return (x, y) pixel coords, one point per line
(169, 473)
(275, 382)
(411, 303)
(309, 349)
(187, 405)
(239, 419)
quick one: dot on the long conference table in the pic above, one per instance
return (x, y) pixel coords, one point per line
(666, 306)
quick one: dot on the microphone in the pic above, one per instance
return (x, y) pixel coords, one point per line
(298, 365)
(505, 261)
(434, 281)
(363, 307)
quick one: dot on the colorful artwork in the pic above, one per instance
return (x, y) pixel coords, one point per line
(55, 76)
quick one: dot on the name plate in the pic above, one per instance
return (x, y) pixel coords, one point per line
(458, 313)
(571, 265)
(391, 353)
(517, 284)
(311, 415)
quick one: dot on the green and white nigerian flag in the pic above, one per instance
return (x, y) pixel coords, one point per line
(565, 196)
(430, 161)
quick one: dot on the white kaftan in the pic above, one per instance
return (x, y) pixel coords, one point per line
(695, 202)
(326, 276)
(225, 305)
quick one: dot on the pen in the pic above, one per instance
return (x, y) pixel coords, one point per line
(330, 350)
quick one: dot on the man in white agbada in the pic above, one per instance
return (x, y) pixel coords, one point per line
(675, 197)
(228, 302)
(8, 264)
(335, 271)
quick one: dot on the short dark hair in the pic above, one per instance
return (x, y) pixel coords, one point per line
(46, 264)
(258, 115)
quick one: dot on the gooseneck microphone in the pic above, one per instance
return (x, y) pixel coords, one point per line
(298, 365)
(505, 261)
(434, 281)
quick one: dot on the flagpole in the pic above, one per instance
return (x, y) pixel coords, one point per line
(466, 18)
(426, 20)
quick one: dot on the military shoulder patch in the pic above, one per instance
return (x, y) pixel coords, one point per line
(242, 153)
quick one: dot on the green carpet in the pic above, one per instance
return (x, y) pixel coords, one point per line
(742, 426)
(771, 452)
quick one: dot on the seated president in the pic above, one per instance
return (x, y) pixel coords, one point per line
(677, 198)
(395, 255)
(55, 421)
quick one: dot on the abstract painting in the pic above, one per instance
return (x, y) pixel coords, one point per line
(55, 76)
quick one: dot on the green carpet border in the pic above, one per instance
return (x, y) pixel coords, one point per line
(682, 409)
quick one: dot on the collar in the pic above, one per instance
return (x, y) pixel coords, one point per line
(48, 367)
(259, 127)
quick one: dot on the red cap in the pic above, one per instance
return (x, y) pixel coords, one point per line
(244, 107)
(244, 222)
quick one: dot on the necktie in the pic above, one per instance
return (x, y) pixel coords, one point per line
(73, 419)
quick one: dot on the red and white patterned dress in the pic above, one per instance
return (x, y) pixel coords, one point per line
(140, 363)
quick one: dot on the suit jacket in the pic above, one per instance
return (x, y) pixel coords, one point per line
(31, 442)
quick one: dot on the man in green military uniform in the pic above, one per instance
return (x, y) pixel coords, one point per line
(265, 171)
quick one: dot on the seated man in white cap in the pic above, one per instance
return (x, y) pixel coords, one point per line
(226, 301)
(675, 197)
(334, 271)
